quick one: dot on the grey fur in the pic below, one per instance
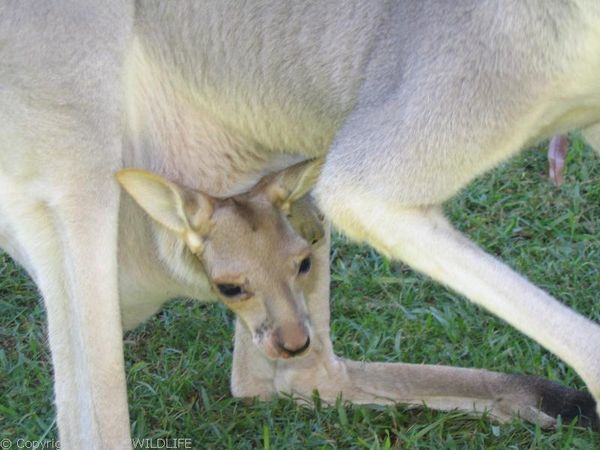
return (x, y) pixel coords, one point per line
(407, 101)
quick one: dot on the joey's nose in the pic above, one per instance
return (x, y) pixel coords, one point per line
(292, 340)
(297, 351)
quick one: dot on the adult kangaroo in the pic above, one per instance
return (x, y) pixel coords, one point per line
(407, 102)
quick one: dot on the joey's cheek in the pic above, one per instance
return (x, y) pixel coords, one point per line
(250, 311)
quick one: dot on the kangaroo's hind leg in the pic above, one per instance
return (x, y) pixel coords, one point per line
(397, 159)
(382, 208)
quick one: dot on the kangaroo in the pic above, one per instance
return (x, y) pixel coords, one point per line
(406, 102)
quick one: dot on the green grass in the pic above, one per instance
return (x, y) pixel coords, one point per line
(178, 363)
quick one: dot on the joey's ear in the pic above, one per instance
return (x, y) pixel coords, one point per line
(306, 219)
(293, 183)
(184, 211)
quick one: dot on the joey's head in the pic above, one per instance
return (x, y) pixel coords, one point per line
(254, 248)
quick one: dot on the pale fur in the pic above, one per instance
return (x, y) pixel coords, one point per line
(409, 101)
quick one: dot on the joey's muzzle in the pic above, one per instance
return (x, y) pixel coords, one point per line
(291, 340)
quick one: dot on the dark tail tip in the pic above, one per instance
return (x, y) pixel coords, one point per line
(557, 400)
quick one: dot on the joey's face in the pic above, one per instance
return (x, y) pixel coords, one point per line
(259, 266)
(254, 247)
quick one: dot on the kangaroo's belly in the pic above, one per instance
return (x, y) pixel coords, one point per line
(220, 93)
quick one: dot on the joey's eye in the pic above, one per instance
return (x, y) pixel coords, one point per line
(305, 265)
(230, 290)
